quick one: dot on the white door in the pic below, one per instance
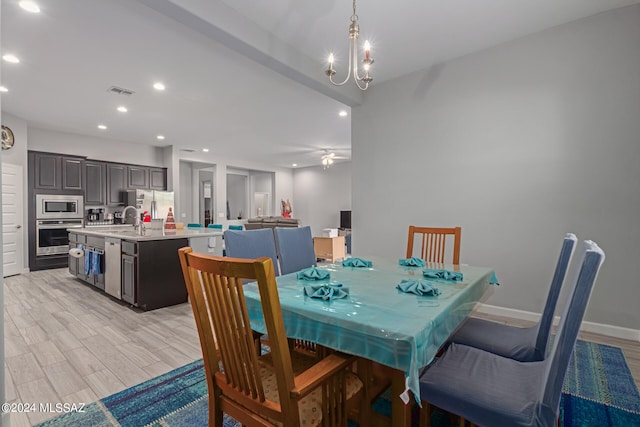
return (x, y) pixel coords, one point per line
(12, 217)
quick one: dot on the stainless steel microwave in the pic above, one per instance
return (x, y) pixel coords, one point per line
(57, 206)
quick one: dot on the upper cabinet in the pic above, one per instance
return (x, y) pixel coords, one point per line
(56, 172)
(101, 182)
(72, 173)
(116, 183)
(137, 177)
(157, 179)
(95, 183)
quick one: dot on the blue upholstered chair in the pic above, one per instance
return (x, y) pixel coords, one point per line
(193, 225)
(235, 227)
(251, 244)
(523, 344)
(215, 226)
(295, 248)
(491, 390)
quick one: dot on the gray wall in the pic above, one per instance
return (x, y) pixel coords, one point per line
(261, 182)
(517, 144)
(104, 149)
(237, 187)
(319, 195)
(186, 214)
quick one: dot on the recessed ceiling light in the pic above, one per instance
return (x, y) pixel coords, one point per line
(29, 6)
(206, 150)
(102, 127)
(122, 109)
(342, 113)
(158, 86)
(160, 136)
(11, 58)
(3, 89)
(294, 165)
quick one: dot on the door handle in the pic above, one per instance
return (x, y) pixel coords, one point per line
(18, 226)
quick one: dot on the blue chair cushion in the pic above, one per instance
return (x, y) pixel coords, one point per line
(487, 389)
(251, 244)
(235, 227)
(216, 226)
(524, 344)
(504, 340)
(295, 248)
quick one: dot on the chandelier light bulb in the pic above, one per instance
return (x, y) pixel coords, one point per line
(331, 59)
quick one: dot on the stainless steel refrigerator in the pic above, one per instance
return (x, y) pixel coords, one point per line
(156, 203)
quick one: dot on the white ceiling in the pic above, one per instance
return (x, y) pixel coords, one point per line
(244, 78)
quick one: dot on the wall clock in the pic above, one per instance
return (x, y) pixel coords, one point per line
(7, 138)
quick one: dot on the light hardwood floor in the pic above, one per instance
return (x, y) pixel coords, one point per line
(68, 343)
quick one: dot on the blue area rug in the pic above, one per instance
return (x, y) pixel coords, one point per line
(599, 391)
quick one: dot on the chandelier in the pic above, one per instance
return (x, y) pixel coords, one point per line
(354, 30)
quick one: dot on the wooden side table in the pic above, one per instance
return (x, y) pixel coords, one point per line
(329, 248)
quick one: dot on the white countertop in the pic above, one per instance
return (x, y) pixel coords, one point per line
(128, 233)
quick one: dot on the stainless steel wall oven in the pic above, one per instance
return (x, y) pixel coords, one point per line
(54, 215)
(52, 237)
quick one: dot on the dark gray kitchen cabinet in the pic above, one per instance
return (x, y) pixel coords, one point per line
(47, 171)
(137, 177)
(129, 274)
(157, 179)
(56, 172)
(116, 182)
(72, 168)
(95, 184)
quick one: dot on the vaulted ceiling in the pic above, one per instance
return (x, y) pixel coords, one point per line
(243, 78)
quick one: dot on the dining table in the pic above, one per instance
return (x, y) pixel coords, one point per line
(373, 319)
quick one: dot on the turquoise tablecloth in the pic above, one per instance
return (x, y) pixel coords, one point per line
(376, 321)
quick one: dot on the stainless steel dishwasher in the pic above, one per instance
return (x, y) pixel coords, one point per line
(113, 266)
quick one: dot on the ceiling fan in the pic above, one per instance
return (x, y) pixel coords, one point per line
(328, 158)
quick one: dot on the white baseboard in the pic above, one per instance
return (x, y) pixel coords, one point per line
(598, 328)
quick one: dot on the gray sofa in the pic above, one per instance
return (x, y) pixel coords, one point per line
(271, 222)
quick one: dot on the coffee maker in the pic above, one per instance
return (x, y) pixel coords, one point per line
(95, 214)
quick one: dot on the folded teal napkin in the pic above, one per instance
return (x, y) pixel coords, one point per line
(313, 273)
(418, 287)
(328, 291)
(431, 273)
(494, 279)
(356, 262)
(412, 262)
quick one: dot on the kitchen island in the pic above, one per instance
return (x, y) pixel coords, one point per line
(140, 268)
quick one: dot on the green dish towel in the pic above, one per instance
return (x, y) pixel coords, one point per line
(326, 292)
(313, 273)
(356, 262)
(418, 287)
(452, 276)
(412, 262)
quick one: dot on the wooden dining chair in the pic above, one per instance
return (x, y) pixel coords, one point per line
(278, 388)
(433, 243)
(490, 390)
